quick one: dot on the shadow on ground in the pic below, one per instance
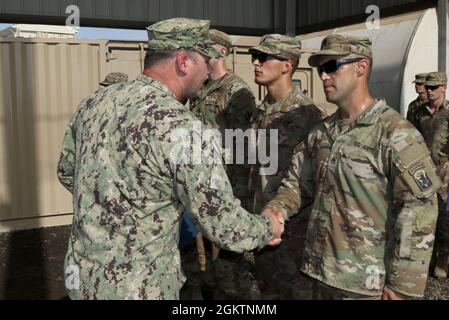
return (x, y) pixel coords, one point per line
(31, 263)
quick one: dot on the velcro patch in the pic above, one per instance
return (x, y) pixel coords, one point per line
(421, 177)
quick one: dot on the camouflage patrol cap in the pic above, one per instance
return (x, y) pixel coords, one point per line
(279, 45)
(340, 45)
(420, 78)
(114, 77)
(436, 79)
(181, 34)
(219, 37)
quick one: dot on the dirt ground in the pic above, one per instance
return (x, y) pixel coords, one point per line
(31, 266)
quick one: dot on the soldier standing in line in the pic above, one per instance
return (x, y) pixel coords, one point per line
(372, 185)
(432, 120)
(127, 159)
(420, 78)
(285, 111)
(226, 102)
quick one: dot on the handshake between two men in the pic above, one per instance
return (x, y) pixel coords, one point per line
(277, 222)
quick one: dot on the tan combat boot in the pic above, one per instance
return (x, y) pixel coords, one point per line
(441, 267)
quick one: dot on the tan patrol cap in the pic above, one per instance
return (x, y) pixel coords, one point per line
(341, 45)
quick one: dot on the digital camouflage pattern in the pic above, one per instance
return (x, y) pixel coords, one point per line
(119, 159)
(434, 128)
(340, 45)
(372, 186)
(278, 45)
(293, 117)
(114, 77)
(228, 103)
(182, 34)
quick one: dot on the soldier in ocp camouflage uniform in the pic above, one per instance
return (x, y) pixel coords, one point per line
(227, 102)
(372, 185)
(420, 78)
(126, 158)
(286, 112)
(432, 120)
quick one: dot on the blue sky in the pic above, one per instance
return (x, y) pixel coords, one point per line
(104, 33)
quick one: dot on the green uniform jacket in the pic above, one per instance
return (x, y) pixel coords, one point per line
(435, 129)
(413, 107)
(228, 103)
(125, 158)
(290, 119)
(373, 188)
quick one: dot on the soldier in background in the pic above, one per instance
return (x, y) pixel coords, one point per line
(285, 111)
(113, 78)
(432, 120)
(420, 78)
(126, 159)
(372, 185)
(227, 102)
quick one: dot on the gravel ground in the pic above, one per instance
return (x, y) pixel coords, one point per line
(31, 266)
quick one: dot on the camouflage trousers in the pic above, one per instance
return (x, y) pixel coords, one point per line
(277, 269)
(230, 276)
(442, 230)
(321, 291)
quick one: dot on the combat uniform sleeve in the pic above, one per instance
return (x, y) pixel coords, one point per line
(414, 215)
(205, 191)
(66, 164)
(296, 190)
(241, 108)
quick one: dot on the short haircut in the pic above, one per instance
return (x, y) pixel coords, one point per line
(295, 63)
(154, 57)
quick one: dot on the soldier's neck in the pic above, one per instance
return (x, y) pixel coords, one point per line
(171, 82)
(355, 104)
(279, 90)
(219, 71)
(436, 104)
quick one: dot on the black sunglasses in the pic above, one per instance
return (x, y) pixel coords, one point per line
(262, 57)
(432, 88)
(333, 65)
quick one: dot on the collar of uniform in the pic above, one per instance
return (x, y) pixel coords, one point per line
(367, 117)
(445, 106)
(279, 106)
(213, 85)
(154, 83)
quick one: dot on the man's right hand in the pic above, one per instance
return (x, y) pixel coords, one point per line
(277, 221)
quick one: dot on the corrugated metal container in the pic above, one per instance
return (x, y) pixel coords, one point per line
(42, 82)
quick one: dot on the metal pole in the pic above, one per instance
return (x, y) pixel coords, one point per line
(443, 35)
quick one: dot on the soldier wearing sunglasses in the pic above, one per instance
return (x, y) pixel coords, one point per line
(372, 185)
(432, 120)
(292, 114)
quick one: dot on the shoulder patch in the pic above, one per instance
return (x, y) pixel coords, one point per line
(418, 172)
